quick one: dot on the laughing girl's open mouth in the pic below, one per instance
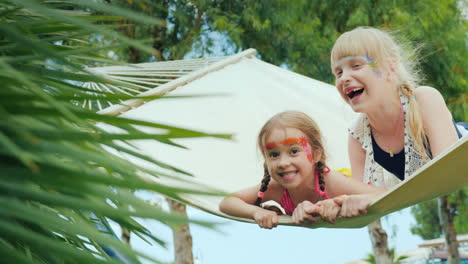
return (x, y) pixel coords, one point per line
(355, 92)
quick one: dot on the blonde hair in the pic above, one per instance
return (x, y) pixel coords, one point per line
(302, 122)
(385, 49)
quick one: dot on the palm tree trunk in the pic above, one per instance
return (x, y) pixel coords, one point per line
(448, 228)
(378, 238)
(182, 237)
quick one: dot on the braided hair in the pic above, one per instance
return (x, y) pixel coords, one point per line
(302, 122)
(264, 186)
(320, 167)
(415, 122)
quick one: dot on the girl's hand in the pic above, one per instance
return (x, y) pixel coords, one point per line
(354, 205)
(266, 218)
(329, 210)
(306, 211)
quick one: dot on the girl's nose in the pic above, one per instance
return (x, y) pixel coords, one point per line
(344, 81)
(345, 77)
(284, 161)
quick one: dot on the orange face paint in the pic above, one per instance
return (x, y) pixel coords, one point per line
(287, 141)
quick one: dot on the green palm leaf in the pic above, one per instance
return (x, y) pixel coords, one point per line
(57, 180)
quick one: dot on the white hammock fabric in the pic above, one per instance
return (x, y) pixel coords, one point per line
(253, 92)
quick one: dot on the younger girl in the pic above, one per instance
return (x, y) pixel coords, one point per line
(296, 173)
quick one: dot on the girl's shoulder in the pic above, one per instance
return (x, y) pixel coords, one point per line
(337, 175)
(343, 172)
(426, 95)
(430, 100)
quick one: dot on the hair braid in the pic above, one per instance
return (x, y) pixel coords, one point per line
(320, 167)
(416, 128)
(265, 182)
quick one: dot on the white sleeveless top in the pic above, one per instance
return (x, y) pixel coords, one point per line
(375, 174)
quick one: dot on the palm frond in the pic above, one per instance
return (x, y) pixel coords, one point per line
(61, 171)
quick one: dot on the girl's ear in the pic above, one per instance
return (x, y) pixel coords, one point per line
(317, 155)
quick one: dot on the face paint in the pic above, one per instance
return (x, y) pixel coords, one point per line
(342, 60)
(373, 64)
(289, 141)
(303, 142)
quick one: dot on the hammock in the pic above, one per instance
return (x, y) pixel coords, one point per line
(248, 92)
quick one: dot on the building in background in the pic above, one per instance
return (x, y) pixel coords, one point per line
(429, 252)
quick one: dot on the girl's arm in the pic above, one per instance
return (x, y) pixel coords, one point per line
(357, 158)
(337, 184)
(354, 197)
(241, 204)
(437, 119)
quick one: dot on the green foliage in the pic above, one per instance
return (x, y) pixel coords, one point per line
(427, 220)
(182, 31)
(300, 34)
(442, 28)
(55, 170)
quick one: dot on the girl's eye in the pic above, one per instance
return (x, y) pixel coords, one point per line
(357, 65)
(273, 154)
(338, 73)
(294, 151)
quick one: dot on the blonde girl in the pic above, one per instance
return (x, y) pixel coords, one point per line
(401, 125)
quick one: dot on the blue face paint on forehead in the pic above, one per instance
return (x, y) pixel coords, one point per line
(372, 63)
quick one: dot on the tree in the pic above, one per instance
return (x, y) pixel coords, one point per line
(57, 177)
(428, 220)
(394, 260)
(446, 223)
(378, 238)
(300, 35)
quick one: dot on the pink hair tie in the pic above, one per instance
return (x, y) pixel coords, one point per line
(317, 186)
(260, 194)
(326, 169)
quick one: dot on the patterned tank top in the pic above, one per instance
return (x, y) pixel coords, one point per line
(374, 173)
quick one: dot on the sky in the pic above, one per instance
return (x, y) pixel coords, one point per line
(237, 242)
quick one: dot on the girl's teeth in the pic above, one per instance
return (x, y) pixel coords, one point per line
(288, 176)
